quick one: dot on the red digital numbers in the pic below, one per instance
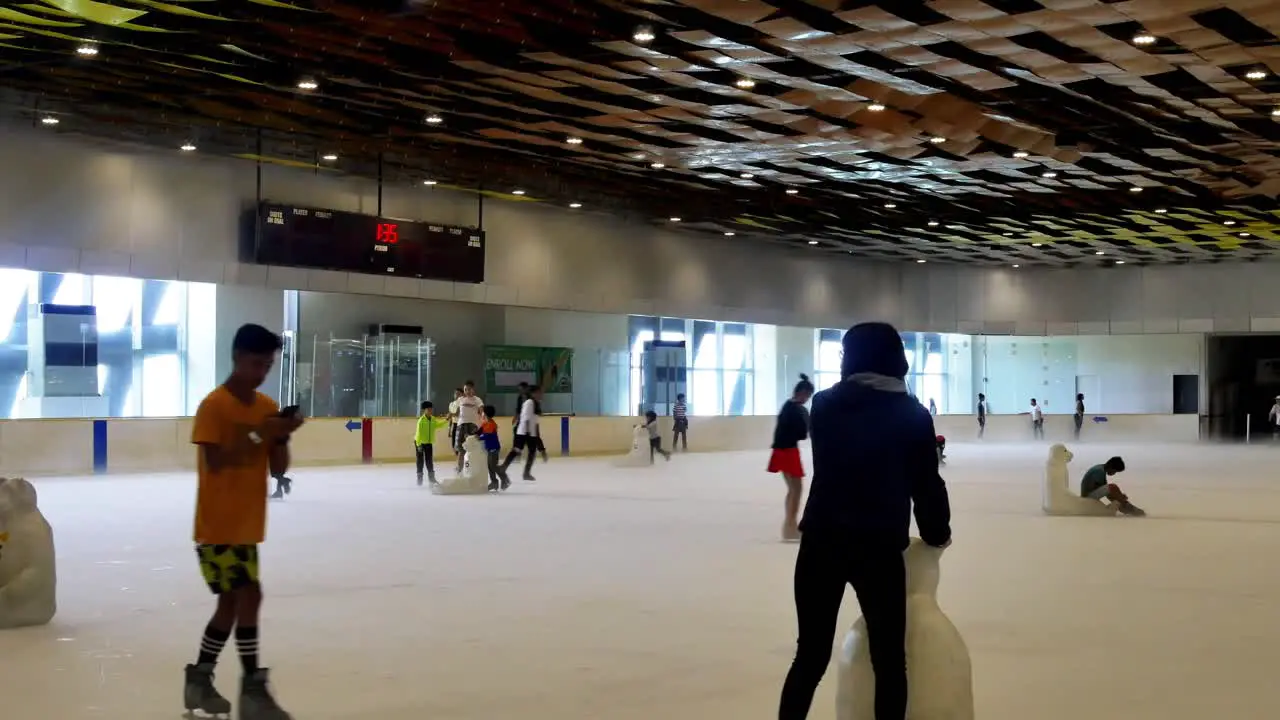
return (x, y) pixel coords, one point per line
(388, 233)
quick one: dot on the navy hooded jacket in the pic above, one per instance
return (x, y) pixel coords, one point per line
(874, 450)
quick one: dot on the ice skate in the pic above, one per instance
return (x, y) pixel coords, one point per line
(1128, 508)
(493, 487)
(419, 479)
(287, 484)
(256, 702)
(278, 494)
(790, 532)
(529, 478)
(200, 697)
(506, 483)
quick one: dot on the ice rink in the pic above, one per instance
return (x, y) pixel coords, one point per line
(661, 594)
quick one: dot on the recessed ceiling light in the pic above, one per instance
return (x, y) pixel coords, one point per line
(1119, 262)
(1021, 154)
(428, 182)
(308, 84)
(49, 120)
(934, 223)
(813, 242)
(922, 261)
(875, 107)
(643, 35)
(1036, 244)
(1016, 265)
(1099, 252)
(517, 192)
(722, 59)
(1135, 188)
(1244, 234)
(1256, 74)
(1275, 112)
(1229, 222)
(675, 219)
(330, 157)
(657, 165)
(936, 139)
(573, 140)
(434, 119)
(1050, 175)
(575, 206)
(746, 176)
(1161, 211)
(87, 50)
(1008, 234)
(745, 83)
(187, 147)
(890, 206)
(654, 68)
(792, 191)
(1144, 38)
(730, 233)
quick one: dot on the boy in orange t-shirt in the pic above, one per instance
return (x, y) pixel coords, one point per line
(241, 437)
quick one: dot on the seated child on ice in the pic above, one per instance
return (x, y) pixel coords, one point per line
(1096, 486)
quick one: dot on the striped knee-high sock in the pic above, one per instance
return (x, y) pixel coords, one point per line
(211, 645)
(247, 643)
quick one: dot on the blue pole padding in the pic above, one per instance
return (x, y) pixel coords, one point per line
(564, 435)
(99, 447)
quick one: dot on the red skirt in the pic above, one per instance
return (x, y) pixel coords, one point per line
(787, 462)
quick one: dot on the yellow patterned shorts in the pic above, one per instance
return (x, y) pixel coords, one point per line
(228, 567)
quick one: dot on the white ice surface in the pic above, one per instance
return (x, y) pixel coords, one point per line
(608, 594)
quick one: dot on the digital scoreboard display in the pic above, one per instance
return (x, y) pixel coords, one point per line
(306, 237)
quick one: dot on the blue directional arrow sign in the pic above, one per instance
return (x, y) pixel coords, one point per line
(353, 425)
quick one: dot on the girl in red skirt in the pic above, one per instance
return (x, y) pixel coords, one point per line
(792, 427)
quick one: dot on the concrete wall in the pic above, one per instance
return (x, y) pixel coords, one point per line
(70, 447)
(74, 206)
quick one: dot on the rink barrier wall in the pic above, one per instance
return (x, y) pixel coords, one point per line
(83, 446)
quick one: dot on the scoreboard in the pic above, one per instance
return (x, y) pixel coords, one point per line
(306, 237)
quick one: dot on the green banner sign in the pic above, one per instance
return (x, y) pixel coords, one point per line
(506, 366)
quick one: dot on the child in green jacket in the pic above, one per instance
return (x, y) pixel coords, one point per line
(423, 440)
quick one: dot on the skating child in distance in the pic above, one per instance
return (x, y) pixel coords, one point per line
(1095, 485)
(424, 441)
(655, 436)
(498, 479)
(791, 428)
(241, 437)
(942, 449)
(680, 424)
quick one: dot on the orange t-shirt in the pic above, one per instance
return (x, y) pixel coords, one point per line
(231, 505)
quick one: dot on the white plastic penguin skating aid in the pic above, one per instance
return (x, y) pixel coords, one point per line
(639, 455)
(474, 478)
(1056, 495)
(939, 673)
(28, 577)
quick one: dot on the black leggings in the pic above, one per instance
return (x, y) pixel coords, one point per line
(824, 565)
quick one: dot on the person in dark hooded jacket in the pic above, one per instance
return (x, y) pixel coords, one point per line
(874, 455)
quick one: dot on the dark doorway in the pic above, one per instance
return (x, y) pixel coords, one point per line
(1244, 380)
(1186, 394)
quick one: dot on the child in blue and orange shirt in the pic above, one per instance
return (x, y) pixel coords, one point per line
(492, 445)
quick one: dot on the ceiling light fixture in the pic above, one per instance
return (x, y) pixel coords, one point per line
(1144, 38)
(187, 147)
(428, 182)
(922, 261)
(1050, 175)
(87, 50)
(1098, 252)
(813, 242)
(745, 83)
(1258, 74)
(1161, 211)
(1229, 222)
(657, 165)
(308, 84)
(49, 120)
(876, 107)
(517, 192)
(792, 191)
(643, 34)
(890, 206)
(1244, 234)
(730, 233)
(746, 176)
(1008, 234)
(575, 206)
(675, 219)
(1275, 112)
(937, 139)
(434, 119)
(1119, 262)
(1036, 244)
(329, 157)
(1016, 265)
(1135, 189)
(1021, 154)
(573, 140)
(934, 223)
